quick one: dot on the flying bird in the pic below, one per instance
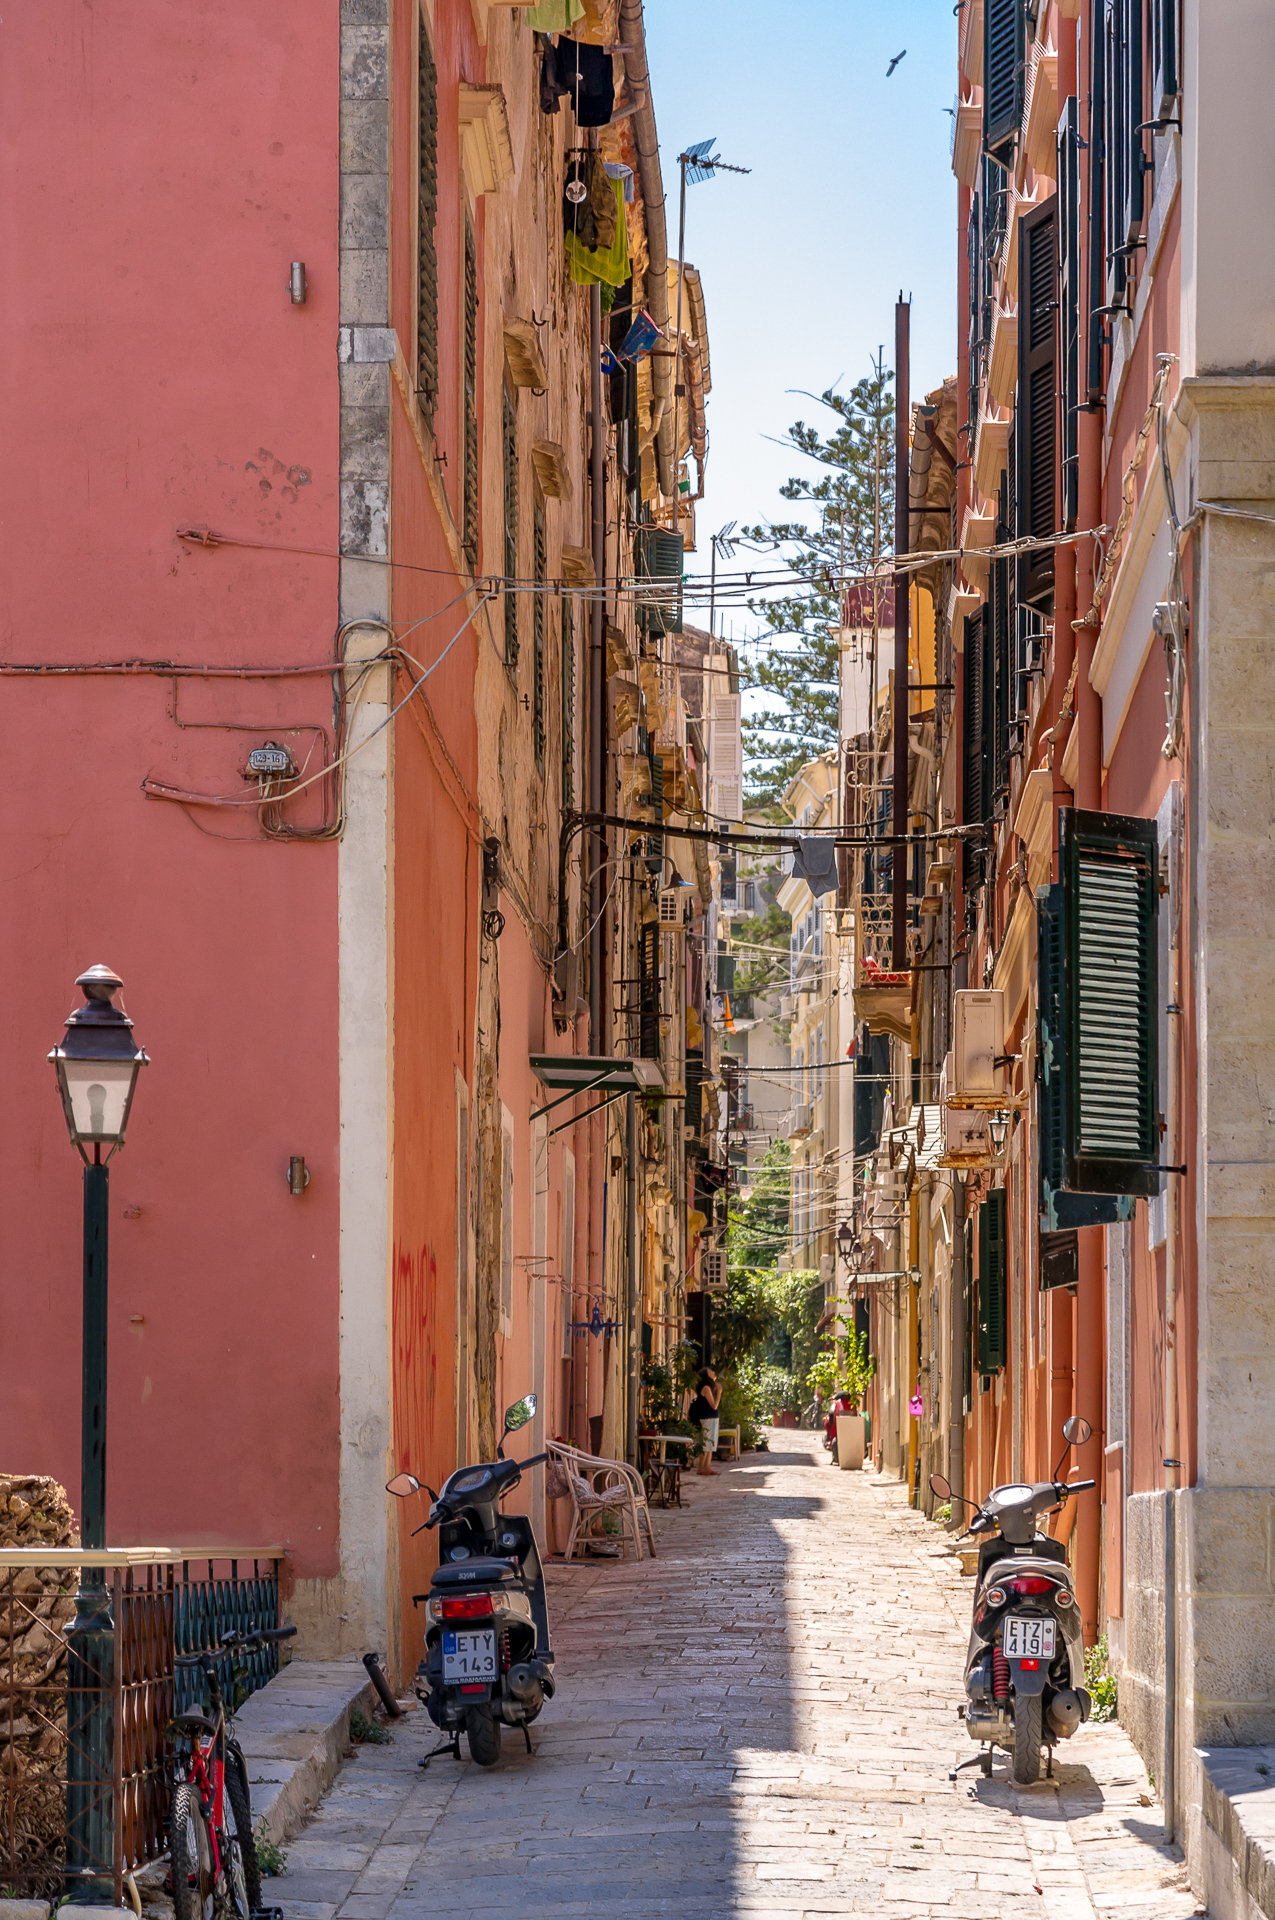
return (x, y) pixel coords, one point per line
(894, 63)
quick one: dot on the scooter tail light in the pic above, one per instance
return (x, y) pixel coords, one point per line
(996, 1596)
(1065, 1599)
(1030, 1583)
(470, 1606)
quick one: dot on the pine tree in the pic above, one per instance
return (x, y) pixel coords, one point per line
(796, 660)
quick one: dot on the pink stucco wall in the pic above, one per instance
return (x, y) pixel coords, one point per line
(162, 165)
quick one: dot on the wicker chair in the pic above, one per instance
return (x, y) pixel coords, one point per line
(597, 1488)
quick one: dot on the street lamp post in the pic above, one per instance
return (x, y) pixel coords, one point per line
(97, 1066)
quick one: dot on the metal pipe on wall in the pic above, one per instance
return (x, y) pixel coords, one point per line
(600, 1040)
(1173, 1142)
(902, 422)
(634, 1299)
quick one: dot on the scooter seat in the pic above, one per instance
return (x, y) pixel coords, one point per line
(474, 1573)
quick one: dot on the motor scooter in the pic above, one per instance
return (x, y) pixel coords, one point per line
(488, 1662)
(1025, 1666)
(841, 1404)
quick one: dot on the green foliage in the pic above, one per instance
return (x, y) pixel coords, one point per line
(796, 661)
(665, 1386)
(742, 1317)
(736, 1410)
(769, 1389)
(757, 1231)
(798, 1300)
(1101, 1682)
(758, 972)
(272, 1859)
(364, 1730)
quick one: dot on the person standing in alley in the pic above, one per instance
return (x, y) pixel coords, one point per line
(703, 1408)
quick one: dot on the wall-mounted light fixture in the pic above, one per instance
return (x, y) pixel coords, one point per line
(298, 1175)
(296, 283)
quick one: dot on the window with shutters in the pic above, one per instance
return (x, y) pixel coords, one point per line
(1122, 144)
(1036, 417)
(975, 795)
(426, 222)
(1110, 882)
(649, 990)
(974, 281)
(1004, 56)
(566, 616)
(1165, 84)
(694, 1089)
(1000, 614)
(469, 505)
(1069, 401)
(992, 1288)
(538, 635)
(1095, 247)
(509, 453)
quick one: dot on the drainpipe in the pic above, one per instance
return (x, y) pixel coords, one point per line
(634, 1300)
(646, 139)
(959, 1329)
(1168, 1784)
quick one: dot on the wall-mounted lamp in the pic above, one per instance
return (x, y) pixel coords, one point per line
(296, 283)
(998, 1126)
(298, 1175)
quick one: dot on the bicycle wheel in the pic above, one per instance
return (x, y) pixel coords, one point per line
(190, 1854)
(242, 1871)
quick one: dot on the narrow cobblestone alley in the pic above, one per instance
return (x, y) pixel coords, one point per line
(759, 1722)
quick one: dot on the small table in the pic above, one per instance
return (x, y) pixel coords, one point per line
(661, 1476)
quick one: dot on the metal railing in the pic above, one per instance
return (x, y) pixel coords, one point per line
(161, 1603)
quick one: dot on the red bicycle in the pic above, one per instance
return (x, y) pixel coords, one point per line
(210, 1846)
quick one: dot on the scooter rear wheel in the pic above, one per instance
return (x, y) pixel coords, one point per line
(1026, 1739)
(482, 1730)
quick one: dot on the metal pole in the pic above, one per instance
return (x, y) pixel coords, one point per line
(1173, 1142)
(90, 1717)
(712, 591)
(597, 678)
(634, 1301)
(677, 362)
(902, 421)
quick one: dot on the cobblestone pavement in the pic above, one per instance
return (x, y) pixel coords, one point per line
(759, 1722)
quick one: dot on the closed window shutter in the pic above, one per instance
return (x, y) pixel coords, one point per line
(1051, 1083)
(538, 638)
(1165, 84)
(567, 617)
(1096, 290)
(1037, 409)
(469, 532)
(973, 797)
(1110, 905)
(1123, 91)
(509, 451)
(694, 1089)
(974, 272)
(1004, 52)
(427, 217)
(1069, 305)
(992, 1317)
(1001, 611)
(649, 990)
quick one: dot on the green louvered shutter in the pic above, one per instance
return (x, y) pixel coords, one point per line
(1050, 1078)
(1069, 305)
(1165, 85)
(1036, 413)
(975, 801)
(1110, 902)
(992, 1316)
(1004, 54)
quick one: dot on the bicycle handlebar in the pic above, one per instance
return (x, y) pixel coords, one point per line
(233, 1642)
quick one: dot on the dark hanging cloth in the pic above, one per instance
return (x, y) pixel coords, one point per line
(587, 75)
(549, 88)
(815, 862)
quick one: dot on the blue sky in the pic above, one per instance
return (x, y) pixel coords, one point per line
(851, 199)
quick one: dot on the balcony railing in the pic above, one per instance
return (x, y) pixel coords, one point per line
(874, 938)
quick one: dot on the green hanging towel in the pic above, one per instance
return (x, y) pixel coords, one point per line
(610, 265)
(555, 16)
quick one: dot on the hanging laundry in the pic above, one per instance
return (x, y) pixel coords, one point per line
(602, 200)
(618, 171)
(815, 862)
(589, 78)
(640, 338)
(609, 265)
(554, 16)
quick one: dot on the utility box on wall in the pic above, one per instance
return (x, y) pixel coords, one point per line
(978, 1045)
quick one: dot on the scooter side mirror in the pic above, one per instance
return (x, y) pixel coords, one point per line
(402, 1484)
(520, 1413)
(1076, 1431)
(940, 1486)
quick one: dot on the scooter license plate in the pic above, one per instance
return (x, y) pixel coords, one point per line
(1028, 1636)
(469, 1656)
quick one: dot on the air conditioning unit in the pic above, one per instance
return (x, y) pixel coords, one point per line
(672, 906)
(803, 1121)
(978, 1043)
(713, 1267)
(827, 1268)
(965, 1135)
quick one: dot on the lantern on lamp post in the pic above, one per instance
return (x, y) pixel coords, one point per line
(97, 1066)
